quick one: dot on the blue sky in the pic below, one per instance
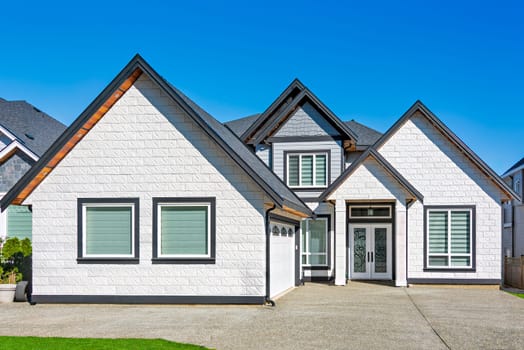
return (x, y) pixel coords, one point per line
(368, 61)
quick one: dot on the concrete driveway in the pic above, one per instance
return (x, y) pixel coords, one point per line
(316, 316)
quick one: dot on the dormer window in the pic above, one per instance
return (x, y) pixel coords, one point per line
(307, 170)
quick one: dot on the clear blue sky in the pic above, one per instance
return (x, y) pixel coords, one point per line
(367, 60)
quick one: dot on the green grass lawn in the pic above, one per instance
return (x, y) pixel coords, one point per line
(520, 295)
(37, 343)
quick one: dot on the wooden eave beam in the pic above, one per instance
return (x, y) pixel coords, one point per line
(84, 129)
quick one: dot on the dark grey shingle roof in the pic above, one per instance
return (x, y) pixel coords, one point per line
(254, 162)
(515, 166)
(239, 126)
(33, 128)
(366, 135)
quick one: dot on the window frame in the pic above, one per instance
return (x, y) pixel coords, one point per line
(449, 255)
(370, 206)
(300, 154)
(209, 258)
(307, 266)
(82, 256)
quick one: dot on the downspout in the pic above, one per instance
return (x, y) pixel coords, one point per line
(267, 300)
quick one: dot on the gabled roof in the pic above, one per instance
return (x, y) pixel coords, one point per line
(238, 152)
(439, 125)
(33, 128)
(515, 167)
(366, 135)
(292, 97)
(371, 152)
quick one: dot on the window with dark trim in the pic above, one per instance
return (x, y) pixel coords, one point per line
(184, 230)
(108, 230)
(307, 170)
(449, 237)
(315, 242)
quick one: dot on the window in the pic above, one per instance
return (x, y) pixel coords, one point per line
(516, 187)
(184, 230)
(19, 221)
(307, 170)
(315, 242)
(369, 211)
(107, 229)
(449, 237)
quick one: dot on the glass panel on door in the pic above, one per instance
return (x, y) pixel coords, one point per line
(381, 250)
(359, 249)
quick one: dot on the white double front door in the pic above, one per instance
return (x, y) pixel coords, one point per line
(370, 251)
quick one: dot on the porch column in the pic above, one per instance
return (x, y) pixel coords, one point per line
(400, 245)
(340, 246)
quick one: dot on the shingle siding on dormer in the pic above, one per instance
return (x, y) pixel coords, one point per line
(306, 121)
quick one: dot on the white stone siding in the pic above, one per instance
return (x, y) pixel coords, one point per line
(444, 176)
(306, 121)
(146, 147)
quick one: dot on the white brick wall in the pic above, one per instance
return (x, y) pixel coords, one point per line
(134, 151)
(444, 176)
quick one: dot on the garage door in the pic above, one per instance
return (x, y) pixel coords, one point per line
(282, 257)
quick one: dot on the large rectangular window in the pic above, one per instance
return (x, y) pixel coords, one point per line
(315, 242)
(108, 229)
(307, 169)
(449, 237)
(184, 229)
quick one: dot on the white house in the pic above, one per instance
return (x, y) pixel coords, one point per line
(147, 198)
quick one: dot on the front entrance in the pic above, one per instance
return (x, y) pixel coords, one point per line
(370, 251)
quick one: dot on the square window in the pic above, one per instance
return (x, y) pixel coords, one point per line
(184, 230)
(108, 229)
(307, 170)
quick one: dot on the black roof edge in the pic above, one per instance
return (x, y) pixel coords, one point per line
(384, 163)
(68, 133)
(418, 105)
(263, 118)
(136, 62)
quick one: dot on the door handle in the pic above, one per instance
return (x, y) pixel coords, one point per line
(371, 256)
(368, 256)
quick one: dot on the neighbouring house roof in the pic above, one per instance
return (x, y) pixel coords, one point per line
(515, 167)
(277, 113)
(227, 140)
(418, 106)
(32, 128)
(371, 152)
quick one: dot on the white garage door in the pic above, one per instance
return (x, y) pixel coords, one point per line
(282, 257)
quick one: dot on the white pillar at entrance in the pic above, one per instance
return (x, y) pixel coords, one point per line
(400, 245)
(340, 246)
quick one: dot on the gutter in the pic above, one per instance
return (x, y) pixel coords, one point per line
(267, 299)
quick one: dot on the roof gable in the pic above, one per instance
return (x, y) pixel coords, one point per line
(372, 153)
(419, 107)
(294, 96)
(248, 161)
(34, 129)
(514, 168)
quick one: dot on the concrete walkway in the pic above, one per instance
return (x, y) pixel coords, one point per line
(358, 316)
